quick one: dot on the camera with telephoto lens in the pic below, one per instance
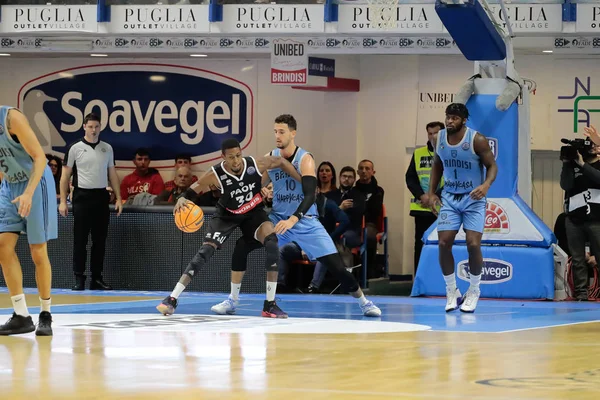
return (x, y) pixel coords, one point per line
(581, 146)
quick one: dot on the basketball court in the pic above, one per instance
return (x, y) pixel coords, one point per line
(115, 345)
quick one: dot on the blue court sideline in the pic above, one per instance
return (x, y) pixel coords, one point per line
(491, 315)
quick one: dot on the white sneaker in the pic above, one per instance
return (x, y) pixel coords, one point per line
(226, 307)
(370, 310)
(471, 299)
(454, 299)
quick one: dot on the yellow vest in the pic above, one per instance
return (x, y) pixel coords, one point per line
(423, 163)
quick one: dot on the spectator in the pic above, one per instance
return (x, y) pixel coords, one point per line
(417, 181)
(352, 202)
(55, 165)
(367, 185)
(183, 180)
(326, 174)
(181, 160)
(144, 178)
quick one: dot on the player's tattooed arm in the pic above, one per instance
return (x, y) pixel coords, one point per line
(204, 184)
(482, 149)
(272, 162)
(207, 182)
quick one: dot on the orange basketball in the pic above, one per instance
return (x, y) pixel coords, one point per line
(189, 218)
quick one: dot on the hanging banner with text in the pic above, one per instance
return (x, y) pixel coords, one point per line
(48, 18)
(153, 19)
(271, 18)
(422, 18)
(289, 62)
(588, 18)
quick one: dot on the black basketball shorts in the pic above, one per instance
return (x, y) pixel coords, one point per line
(223, 223)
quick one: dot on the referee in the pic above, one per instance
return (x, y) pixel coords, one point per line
(91, 162)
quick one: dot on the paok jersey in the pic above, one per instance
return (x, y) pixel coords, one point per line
(15, 163)
(240, 194)
(463, 170)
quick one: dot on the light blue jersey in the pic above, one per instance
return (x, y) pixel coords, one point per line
(41, 225)
(308, 233)
(287, 192)
(15, 163)
(463, 170)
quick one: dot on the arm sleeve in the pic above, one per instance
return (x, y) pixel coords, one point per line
(567, 177)
(309, 189)
(591, 173)
(157, 184)
(412, 179)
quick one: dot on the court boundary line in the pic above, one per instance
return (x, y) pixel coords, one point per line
(549, 326)
(80, 304)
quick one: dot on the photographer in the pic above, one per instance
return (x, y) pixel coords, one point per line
(580, 179)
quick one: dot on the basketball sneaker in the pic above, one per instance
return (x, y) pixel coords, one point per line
(454, 299)
(370, 310)
(272, 310)
(17, 324)
(226, 307)
(471, 299)
(44, 324)
(168, 306)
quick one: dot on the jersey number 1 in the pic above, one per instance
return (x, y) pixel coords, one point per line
(455, 175)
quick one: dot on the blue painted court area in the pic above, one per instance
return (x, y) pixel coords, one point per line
(491, 316)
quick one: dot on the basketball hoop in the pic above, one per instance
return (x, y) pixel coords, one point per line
(383, 13)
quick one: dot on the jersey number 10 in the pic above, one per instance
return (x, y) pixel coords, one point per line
(290, 185)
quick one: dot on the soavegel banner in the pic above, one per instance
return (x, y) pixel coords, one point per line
(170, 109)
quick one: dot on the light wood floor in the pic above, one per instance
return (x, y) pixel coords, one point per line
(553, 363)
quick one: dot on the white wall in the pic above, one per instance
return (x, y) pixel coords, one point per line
(382, 122)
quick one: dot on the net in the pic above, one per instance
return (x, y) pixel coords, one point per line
(383, 13)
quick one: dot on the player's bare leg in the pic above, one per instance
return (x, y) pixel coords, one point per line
(475, 268)
(21, 321)
(445, 243)
(266, 235)
(43, 279)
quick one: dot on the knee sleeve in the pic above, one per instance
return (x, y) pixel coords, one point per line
(201, 258)
(335, 265)
(239, 259)
(272, 246)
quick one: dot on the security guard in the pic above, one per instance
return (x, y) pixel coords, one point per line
(417, 181)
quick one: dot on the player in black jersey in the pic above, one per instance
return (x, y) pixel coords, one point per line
(240, 205)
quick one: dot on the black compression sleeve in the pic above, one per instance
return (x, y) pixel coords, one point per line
(309, 189)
